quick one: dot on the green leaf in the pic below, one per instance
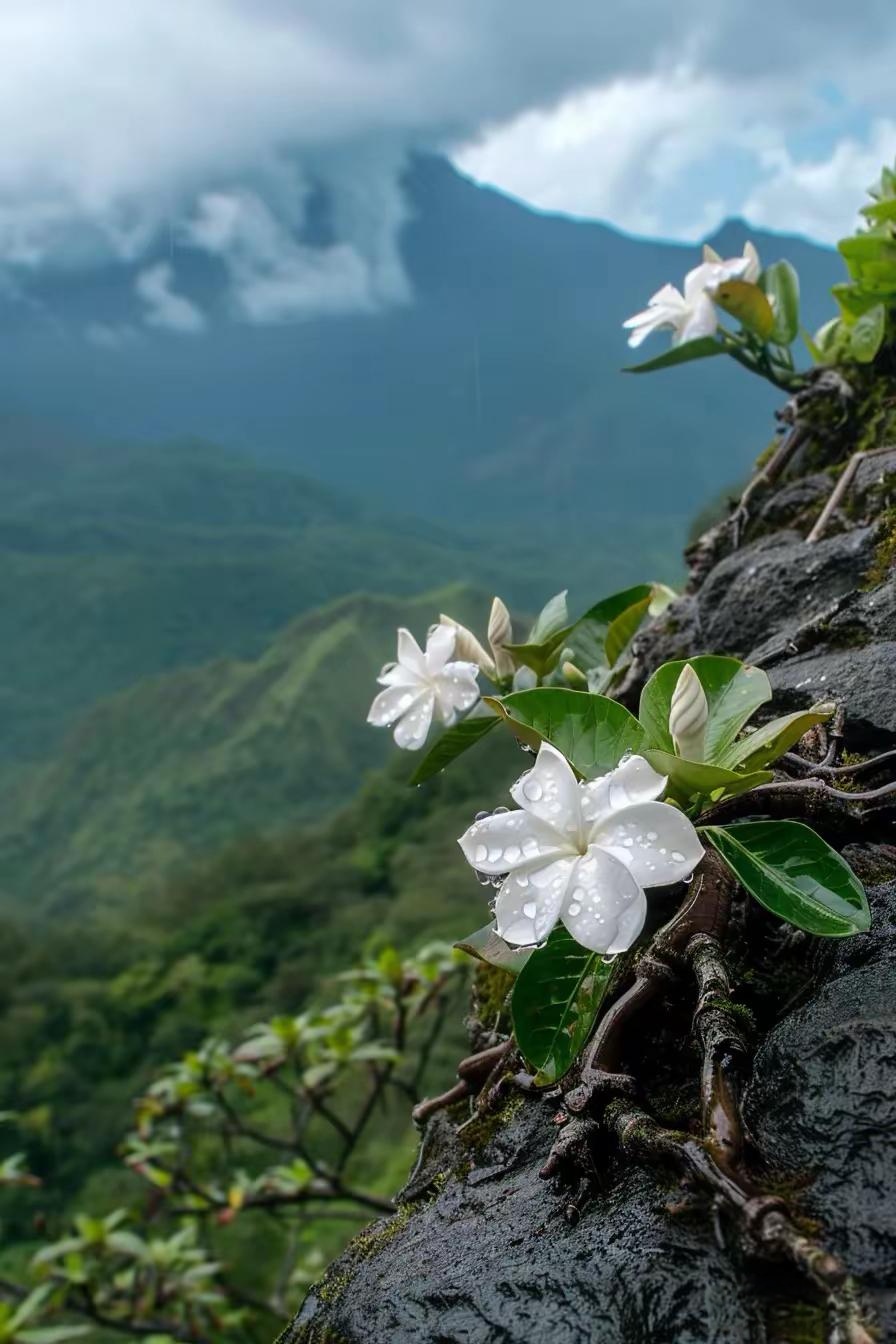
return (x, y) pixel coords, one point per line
(487, 945)
(782, 285)
(453, 743)
(593, 733)
(554, 617)
(747, 303)
(734, 691)
(880, 211)
(624, 628)
(794, 874)
(586, 638)
(555, 1003)
(705, 347)
(694, 779)
(767, 743)
(51, 1334)
(867, 335)
(863, 248)
(854, 301)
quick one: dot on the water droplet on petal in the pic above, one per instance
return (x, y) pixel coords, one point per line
(530, 909)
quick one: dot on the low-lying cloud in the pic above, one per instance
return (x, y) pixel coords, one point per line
(218, 119)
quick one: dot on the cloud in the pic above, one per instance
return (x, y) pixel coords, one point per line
(124, 120)
(164, 306)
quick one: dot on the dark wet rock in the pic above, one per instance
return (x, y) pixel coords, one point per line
(863, 680)
(822, 1105)
(774, 586)
(492, 1260)
(797, 505)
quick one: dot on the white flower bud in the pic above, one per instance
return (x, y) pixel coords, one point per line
(467, 647)
(574, 677)
(688, 715)
(524, 679)
(500, 632)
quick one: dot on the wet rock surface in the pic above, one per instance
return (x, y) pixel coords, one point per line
(484, 1254)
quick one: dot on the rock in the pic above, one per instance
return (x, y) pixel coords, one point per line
(821, 1105)
(861, 679)
(492, 1260)
(769, 589)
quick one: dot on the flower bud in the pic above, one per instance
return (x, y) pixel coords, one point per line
(524, 679)
(467, 647)
(500, 632)
(688, 715)
(574, 677)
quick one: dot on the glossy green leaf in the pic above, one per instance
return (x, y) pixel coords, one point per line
(555, 1003)
(587, 637)
(868, 248)
(794, 874)
(593, 733)
(705, 347)
(554, 616)
(689, 780)
(782, 285)
(867, 335)
(624, 628)
(767, 743)
(453, 743)
(854, 301)
(487, 945)
(733, 690)
(748, 304)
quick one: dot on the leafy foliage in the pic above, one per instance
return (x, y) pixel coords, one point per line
(556, 1000)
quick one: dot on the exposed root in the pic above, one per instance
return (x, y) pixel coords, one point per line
(474, 1073)
(724, 1048)
(764, 1223)
(846, 478)
(767, 475)
(792, 761)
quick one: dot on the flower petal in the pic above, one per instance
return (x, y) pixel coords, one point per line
(391, 703)
(411, 729)
(605, 907)
(655, 841)
(703, 321)
(456, 689)
(550, 791)
(510, 840)
(410, 654)
(393, 674)
(633, 781)
(529, 901)
(439, 647)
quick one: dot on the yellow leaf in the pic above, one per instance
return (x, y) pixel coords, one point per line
(236, 1197)
(748, 304)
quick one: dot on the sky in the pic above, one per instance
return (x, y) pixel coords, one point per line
(214, 121)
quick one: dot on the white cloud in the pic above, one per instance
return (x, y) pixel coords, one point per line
(119, 118)
(164, 306)
(819, 197)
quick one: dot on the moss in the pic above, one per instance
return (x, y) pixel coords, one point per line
(491, 987)
(796, 1323)
(884, 559)
(479, 1133)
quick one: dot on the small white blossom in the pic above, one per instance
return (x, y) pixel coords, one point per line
(421, 684)
(747, 267)
(692, 314)
(688, 715)
(582, 853)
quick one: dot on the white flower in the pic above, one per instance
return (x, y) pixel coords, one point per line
(582, 853)
(689, 715)
(748, 267)
(692, 314)
(497, 665)
(420, 684)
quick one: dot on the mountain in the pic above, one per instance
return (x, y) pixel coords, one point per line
(494, 392)
(180, 764)
(120, 562)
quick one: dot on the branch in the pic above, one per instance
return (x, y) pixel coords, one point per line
(724, 1051)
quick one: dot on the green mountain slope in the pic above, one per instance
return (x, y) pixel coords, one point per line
(117, 563)
(181, 763)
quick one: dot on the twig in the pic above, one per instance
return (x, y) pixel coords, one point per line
(873, 764)
(472, 1073)
(847, 476)
(768, 473)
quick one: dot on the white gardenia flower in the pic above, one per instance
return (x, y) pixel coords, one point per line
(582, 853)
(421, 684)
(748, 267)
(692, 314)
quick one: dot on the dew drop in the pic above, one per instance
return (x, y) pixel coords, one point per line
(480, 854)
(530, 909)
(532, 790)
(575, 909)
(677, 856)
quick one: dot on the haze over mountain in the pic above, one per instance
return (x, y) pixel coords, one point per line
(499, 374)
